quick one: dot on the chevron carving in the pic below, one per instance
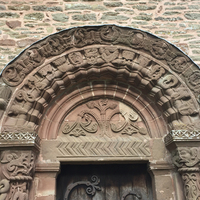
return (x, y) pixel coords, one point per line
(99, 148)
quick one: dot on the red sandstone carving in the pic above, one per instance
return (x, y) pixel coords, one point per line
(98, 119)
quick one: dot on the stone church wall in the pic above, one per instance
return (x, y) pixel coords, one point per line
(25, 22)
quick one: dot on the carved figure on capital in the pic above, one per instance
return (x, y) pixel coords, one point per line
(187, 161)
(186, 157)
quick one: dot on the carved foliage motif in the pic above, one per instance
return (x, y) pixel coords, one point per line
(17, 167)
(80, 37)
(95, 118)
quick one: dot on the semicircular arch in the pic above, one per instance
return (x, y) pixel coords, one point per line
(82, 55)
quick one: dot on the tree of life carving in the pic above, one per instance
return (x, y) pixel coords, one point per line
(97, 117)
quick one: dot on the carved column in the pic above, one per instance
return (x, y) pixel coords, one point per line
(184, 146)
(18, 156)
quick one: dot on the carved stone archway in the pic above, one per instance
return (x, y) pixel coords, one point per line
(103, 93)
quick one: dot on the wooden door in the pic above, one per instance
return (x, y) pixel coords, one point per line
(104, 182)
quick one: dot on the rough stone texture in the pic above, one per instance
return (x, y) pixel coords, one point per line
(7, 42)
(61, 17)
(19, 7)
(85, 17)
(34, 16)
(13, 24)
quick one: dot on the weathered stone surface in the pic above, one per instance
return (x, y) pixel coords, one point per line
(13, 24)
(192, 16)
(79, 6)
(194, 7)
(46, 8)
(176, 8)
(2, 7)
(113, 4)
(85, 17)
(61, 17)
(168, 19)
(196, 51)
(7, 42)
(19, 7)
(171, 13)
(34, 16)
(25, 42)
(113, 16)
(143, 17)
(125, 10)
(169, 3)
(144, 7)
(9, 15)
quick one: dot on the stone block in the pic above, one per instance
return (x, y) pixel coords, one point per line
(113, 4)
(85, 17)
(144, 7)
(61, 17)
(34, 16)
(19, 7)
(111, 16)
(9, 15)
(13, 24)
(46, 8)
(7, 42)
(25, 42)
(192, 16)
(2, 7)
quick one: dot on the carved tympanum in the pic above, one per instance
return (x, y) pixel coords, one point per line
(103, 116)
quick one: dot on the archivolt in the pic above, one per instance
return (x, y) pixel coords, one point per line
(87, 54)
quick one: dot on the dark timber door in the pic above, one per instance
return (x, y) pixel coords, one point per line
(104, 182)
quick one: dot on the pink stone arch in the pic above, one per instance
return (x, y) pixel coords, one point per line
(80, 64)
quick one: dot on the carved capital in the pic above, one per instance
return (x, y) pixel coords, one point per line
(17, 170)
(184, 146)
(19, 152)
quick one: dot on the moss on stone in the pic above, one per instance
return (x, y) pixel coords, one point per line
(46, 8)
(19, 7)
(61, 17)
(113, 4)
(34, 16)
(85, 17)
(9, 15)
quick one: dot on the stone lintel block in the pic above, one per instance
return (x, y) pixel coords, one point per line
(50, 168)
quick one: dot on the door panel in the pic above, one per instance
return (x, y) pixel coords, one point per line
(104, 182)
